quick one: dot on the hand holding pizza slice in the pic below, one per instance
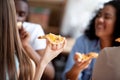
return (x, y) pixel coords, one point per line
(84, 57)
(82, 61)
(54, 39)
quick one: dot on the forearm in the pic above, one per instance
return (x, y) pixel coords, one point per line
(49, 72)
(32, 53)
(73, 73)
(40, 68)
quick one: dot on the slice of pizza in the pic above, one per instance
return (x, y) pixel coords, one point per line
(117, 40)
(55, 39)
(84, 57)
(19, 25)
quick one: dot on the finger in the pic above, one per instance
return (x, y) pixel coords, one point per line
(54, 46)
(59, 46)
(86, 63)
(62, 45)
(19, 25)
(22, 31)
(25, 35)
(77, 57)
(49, 45)
(83, 64)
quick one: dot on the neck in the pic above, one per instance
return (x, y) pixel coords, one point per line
(105, 43)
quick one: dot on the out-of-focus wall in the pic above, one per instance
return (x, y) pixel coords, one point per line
(53, 10)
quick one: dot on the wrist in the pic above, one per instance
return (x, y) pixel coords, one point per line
(78, 67)
(42, 62)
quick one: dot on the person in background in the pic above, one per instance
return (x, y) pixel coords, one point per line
(77, 16)
(14, 48)
(103, 30)
(35, 30)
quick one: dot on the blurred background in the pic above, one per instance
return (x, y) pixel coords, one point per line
(47, 13)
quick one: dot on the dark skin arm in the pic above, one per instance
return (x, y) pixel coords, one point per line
(77, 68)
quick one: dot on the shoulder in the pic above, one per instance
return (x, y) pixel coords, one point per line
(82, 39)
(86, 41)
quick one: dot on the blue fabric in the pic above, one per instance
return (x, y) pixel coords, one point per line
(82, 45)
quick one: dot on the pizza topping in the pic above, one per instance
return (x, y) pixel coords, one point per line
(53, 38)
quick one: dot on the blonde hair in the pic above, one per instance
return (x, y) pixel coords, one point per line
(10, 45)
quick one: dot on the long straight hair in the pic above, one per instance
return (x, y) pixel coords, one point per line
(11, 47)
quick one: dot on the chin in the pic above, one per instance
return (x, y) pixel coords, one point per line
(99, 34)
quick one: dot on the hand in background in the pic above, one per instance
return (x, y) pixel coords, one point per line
(25, 36)
(82, 64)
(78, 67)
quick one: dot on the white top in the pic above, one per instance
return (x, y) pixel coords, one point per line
(35, 31)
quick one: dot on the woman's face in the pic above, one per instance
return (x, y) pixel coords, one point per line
(105, 21)
(21, 10)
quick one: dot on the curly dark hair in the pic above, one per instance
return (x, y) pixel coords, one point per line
(90, 32)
